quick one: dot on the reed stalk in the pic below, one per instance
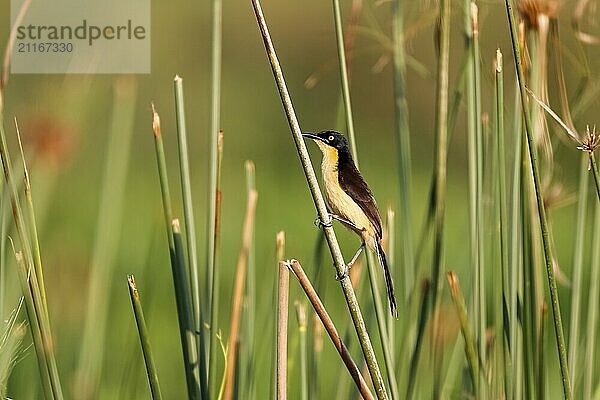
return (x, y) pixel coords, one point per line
(186, 193)
(212, 246)
(11, 341)
(391, 257)
(339, 35)
(247, 353)
(472, 123)
(380, 313)
(42, 344)
(515, 256)
(409, 336)
(3, 233)
(401, 119)
(529, 298)
(36, 311)
(594, 168)
(461, 309)
(430, 214)
(480, 303)
(422, 322)
(279, 255)
(454, 369)
(379, 310)
(189, 221)
(440, 171)
(441, 150)
(238, 294)
(182, 302)
(196, 388)
(302, 327)
(106, 240)
(576, 289)
(502, 317)
(592, 315)
(31, 224)
(164, 179)
(320, 310)
(214, 193)
(138, 312)
(282, 329)
(475, 156)
(334, 247)
(541, 367)
(216, 276)
(558, 328)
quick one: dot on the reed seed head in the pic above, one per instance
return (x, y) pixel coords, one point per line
(590, 141)
(532, 11)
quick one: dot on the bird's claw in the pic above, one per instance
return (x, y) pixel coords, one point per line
(344, 275)
(320, 224)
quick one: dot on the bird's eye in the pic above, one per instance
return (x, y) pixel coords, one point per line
(330, 138)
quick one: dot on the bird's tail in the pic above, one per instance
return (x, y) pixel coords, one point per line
(388, 279)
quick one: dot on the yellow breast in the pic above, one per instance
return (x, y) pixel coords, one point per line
(339, 202)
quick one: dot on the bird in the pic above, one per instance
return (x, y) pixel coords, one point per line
(350, 200)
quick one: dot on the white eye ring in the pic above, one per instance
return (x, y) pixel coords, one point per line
(331, 138)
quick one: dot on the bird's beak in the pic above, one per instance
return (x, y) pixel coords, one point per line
(312, 136)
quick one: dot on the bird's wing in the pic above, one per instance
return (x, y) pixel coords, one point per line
(353, 184)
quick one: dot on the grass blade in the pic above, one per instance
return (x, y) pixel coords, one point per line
(144, 339)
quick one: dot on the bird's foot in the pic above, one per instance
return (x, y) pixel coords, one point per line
(319, 223)
(350, 264)
(344, 274)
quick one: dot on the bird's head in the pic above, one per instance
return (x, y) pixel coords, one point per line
(328, 139)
